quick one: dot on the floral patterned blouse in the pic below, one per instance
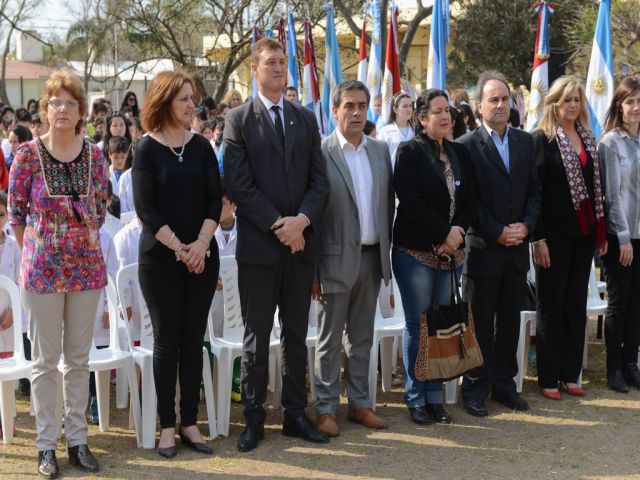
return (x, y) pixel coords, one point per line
(62, 206)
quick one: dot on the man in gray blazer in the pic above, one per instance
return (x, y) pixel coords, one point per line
(355, 231)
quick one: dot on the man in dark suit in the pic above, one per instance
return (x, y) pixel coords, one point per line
(494, 274)
(277, 178)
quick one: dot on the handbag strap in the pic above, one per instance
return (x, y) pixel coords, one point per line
(455, 291)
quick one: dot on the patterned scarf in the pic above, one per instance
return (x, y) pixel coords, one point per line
(577, 185)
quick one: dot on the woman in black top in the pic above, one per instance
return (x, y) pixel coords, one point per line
(176, 192)
(434, 183)
(571, 226)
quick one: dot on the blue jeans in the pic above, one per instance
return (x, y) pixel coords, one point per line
(415, 281)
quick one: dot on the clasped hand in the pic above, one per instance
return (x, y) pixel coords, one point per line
(452, 242)
(513, 235)
(289, 231)
(193, 255)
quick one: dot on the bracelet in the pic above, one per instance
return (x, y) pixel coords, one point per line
(539, 241)
(173, 235)
(178, 253)
(206, 239)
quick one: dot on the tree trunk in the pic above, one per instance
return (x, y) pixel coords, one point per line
(4, 98)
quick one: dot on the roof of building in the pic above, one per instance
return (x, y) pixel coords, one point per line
(16, 69)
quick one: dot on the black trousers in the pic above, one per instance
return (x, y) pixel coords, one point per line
(562, 310)
(287, 285)
(495, 303)
(622, 325)
(178, 303)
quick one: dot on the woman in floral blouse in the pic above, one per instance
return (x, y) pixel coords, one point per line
(57, 203)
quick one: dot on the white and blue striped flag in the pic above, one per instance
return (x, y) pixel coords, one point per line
(600, 77)
(292, 55)
(374, 69)
(437, 62)
(332, 68)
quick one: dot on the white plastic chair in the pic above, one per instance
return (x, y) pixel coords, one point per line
(116, 356)
(527, 318)
(384, 331)
(595, 306)
(228, 347)
(143, 357)
(13, 368)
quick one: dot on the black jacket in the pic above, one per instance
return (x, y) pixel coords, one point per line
(557, 216)
(422, 218)
(504, 198)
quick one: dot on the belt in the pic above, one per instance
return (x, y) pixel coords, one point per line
(364, 248)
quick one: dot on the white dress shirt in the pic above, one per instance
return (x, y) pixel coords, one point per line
(501, 143)
(268, 104)
(362, 177)
(125, 192)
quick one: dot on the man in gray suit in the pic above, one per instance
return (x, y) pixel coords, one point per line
(355, 231)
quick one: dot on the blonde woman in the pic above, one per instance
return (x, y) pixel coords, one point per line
(571, 227)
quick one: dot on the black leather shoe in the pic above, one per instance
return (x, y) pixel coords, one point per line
(419, 415)
(476, 408)
(200, 447)
(168, 452)
(302, 427)
(47, 464)
(615, 380)
(631, 375)
(512, 402)
(80, 456)
(252, 433)
(438, 413)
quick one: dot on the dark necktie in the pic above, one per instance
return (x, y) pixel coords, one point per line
(278, 123)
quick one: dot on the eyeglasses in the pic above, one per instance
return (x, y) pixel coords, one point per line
(58, 104)
(131, 98)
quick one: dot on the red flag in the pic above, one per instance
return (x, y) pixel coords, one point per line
(391, 78)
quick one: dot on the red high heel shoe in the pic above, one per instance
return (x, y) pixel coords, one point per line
(573, 389)
(551, 393)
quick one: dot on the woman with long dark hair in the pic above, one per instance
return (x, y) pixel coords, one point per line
(619, 149)
(131, 101)
(434, 184)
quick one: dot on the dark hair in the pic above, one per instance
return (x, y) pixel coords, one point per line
(336, 95)
(209, 103)
(4, 199)
(468, 111)
(221, 107)
(200, 113)
(30, 101)
(98, 106)
(291, 87)
(106, 134)
(22, 115)
(514, 118)
(22, 132)
(458, 127)
(135, 110)
(394, 104)
(35, 119)
(224, 191)
(369, 127)
(460, 97)
(218, 121)
(118, 145)
(423, 104)
(210, 124)
(6, 109)
(628, 87)
(487, 76)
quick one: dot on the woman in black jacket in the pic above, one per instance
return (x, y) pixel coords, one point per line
(434, 184)
(571, 226)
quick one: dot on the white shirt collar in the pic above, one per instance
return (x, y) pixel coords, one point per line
(491, 131)
(268, 103)
(343, 141)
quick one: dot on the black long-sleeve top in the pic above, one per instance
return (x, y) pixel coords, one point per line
(422, 218)
(180, 195)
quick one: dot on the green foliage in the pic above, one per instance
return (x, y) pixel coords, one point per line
(500, 34)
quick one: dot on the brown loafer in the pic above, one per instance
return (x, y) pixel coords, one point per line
(327, 424)
(366, 417)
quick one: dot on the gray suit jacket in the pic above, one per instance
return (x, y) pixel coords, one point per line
(340, 247)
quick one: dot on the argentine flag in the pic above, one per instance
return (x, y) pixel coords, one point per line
(374, 69)
(292, 55)
(600, 77)
(332, 68)
(437, 62)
